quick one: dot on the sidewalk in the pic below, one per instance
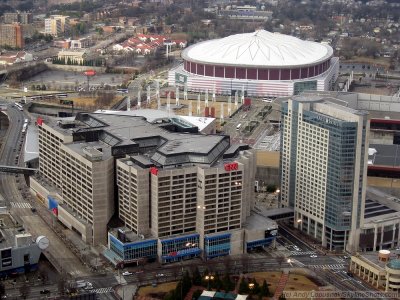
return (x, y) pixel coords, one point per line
(126, 292)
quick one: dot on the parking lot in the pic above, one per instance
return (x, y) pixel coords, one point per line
(63, 80)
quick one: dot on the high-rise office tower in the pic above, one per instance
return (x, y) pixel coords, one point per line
(324, 167)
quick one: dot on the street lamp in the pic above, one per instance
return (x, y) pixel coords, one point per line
(208, 278)
(251, 286)
(289, 261)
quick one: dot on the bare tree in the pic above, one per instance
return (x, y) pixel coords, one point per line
(61, 284)
(245, 263)
(228, 264)
(25, 290)
(43, 273)
(104, 99)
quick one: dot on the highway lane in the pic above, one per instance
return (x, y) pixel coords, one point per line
(11, 187)
(149, 274)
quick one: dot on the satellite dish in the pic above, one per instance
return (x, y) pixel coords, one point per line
(42, 242)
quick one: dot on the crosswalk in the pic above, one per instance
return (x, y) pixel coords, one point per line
(76, 273)
(339, 260)
(331, 267)
(21, 205)
(102, 290)
(296, 262)
(298, 253)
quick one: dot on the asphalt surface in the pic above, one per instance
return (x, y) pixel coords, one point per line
(331, 269)
(18, 201)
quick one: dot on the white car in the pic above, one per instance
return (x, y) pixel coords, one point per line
(127, 273)
(160, 275)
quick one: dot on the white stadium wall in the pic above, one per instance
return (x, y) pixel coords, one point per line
(260, 63)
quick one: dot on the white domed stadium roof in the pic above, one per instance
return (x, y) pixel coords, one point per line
(260, 48)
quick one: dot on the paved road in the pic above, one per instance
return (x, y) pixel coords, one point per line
(11, 188)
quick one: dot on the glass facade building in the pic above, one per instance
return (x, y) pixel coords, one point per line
(180, 248)
(132, 252)
(324, 169)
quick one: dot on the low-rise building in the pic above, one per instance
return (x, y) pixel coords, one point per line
(19, 251)
(81, 43)
(380, 269)
(74, 56)
(11, 58)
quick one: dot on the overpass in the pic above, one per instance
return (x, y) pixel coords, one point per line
(17, 170)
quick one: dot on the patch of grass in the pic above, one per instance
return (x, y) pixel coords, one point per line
(160, 288)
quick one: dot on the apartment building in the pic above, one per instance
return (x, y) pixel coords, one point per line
(23, 18)
(11, 35)
(324, 154)
(56, 25)
(179, 195)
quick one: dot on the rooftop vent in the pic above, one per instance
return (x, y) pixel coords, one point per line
(92, 153)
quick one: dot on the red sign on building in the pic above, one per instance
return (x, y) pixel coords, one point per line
(231, 167)
(90, 72)
(55, 211)
(154, 171)
(39, 121)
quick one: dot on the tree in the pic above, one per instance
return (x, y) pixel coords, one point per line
(264, 290)
(99, 30)
(178, 292)
(186, 284)
(105, 99)
(61, 284)
(243, 287)
(196, 294)
(227, 283)
(2, 289)
(43, 273)
(196, 277)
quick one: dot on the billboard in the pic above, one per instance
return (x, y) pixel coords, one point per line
(180, 78)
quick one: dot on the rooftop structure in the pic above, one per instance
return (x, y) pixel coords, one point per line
(260, 48)
(260, 63)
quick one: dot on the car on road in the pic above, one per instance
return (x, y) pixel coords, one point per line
(160, 275)
(313, 256)
(350, 274)
(127, 273)
(45, 291)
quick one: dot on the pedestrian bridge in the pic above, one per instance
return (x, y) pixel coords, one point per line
(18, 170)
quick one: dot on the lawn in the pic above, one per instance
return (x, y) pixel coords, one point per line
(296, 282)
(272, 279)
(300, 283)
(160, 288)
